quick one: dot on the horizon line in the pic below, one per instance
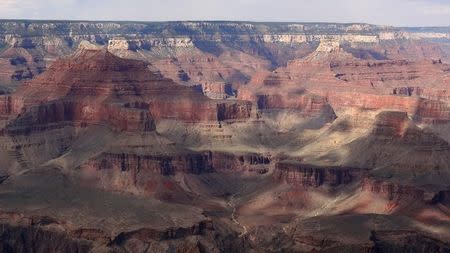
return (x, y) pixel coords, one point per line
(216, 21)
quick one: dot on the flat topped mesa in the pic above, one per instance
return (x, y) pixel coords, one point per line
(329, 46)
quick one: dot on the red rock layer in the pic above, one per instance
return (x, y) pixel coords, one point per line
(82, 113)
(5, 104)
(392, 191)
(215, 74)
(308, 104)
(174, 233)
(191, 163)
(142, 173)
(439, 93)
(18, 64)
(154, 164)
(309, 175)
(226, 162)
(96, 87)
(197, 109)
(422, 110)
(432, 111)
(37, 231)
(418, 88)
(392, 124)
(388, 72)
(234, 111)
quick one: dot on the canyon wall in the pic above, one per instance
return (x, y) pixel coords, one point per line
(314, 176)
(27, 47)
(185, 34)
(222, 137)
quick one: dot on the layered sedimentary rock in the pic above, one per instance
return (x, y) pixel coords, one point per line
(345, 81)
(385, 235)
(162, 165)
(20, 64)
(41, 234)
(96, 87)
(270, 93)
(39, 240)
(234, 111)
(389, 72)
(83, 114)
(5, 104)
(266, 137)
(143, 173)
(213, 54)
(391, 124)
(393, 191)
(216, 75)
(309, 175)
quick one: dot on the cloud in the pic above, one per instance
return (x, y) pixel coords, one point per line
(437, 9)
(38, 9)
(9, 7)
(388, 12)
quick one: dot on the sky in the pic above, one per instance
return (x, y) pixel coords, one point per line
(381, 12)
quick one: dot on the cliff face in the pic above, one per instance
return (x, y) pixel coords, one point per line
(28, 239)
(45, 234)
(146, 174)
(313, 176)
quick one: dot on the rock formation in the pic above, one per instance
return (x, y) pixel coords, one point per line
(96, 87)
(223, 137)
(310, 175)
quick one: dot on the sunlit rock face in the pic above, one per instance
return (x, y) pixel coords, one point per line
(96, 87)
(223, 137)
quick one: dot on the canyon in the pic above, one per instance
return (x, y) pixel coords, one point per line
(223, 137)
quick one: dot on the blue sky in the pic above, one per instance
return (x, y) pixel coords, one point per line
(383, 12)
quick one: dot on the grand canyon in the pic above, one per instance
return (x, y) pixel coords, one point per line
(225, 136)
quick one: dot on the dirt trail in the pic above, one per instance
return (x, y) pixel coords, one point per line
(231, 203)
